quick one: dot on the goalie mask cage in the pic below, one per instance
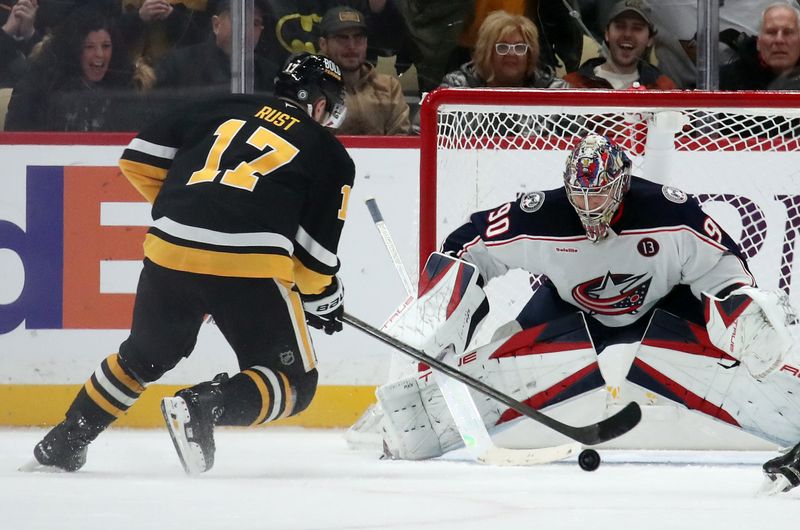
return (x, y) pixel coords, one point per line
(738, 153)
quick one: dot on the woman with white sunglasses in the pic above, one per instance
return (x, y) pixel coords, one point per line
(506, 54)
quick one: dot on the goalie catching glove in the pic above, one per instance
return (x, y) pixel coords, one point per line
(751, 325)
(324, 311)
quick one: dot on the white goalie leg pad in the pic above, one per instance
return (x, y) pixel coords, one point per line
(406, 422)
(751, 325)
(676, 361)
(531, 365)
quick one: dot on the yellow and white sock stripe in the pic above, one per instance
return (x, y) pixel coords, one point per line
(277, 395)
(112, 388)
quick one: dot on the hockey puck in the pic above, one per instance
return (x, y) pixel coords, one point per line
(589, 460)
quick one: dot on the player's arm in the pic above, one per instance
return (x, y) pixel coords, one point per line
(316, 243)
(147, 159)
(477, 240)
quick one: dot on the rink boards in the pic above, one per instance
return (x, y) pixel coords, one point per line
(71, 230)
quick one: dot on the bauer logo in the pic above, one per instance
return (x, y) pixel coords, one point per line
(65, 239)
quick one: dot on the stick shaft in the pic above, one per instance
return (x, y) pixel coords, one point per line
(605, 430)
(388, 242)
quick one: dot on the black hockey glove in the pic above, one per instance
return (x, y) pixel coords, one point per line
(324, 311)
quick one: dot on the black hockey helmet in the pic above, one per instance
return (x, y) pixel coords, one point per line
(306, 77)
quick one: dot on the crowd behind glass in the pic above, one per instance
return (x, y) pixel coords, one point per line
(114, 65)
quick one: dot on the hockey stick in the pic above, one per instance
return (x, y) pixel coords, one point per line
(596, 433)
(458, 399)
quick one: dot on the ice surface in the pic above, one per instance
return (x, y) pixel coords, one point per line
(278, 478)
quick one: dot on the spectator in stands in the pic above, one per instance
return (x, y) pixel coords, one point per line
(506, 55)
(17, 38)
(294, 26)
(375, 102)
(773, 53)
(443, 33)
(206, 67)
(72, 80)
(629, 37)
(153, 27)
(675, 45)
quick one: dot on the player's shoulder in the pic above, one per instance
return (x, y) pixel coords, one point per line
(543, 203)
(650, 204)
(544, 212)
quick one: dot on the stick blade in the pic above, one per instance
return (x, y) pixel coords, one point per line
(500, 456)
(612, 427)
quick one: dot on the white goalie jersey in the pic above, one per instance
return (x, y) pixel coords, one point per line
(659, 238)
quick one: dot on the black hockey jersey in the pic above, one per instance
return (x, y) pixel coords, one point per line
(659, 238)
(243, 186)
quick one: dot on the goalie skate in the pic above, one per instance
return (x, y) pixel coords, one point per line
(194, 446)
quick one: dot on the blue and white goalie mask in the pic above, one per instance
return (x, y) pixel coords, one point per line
(596, 178)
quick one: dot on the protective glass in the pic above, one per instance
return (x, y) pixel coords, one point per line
(504, 48)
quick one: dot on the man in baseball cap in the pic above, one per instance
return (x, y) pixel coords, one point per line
(629, 33)
(342, 18)
(376, 104)
(637, 7)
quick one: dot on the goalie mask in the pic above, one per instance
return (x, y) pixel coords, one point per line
(305, 78)
(597, 176)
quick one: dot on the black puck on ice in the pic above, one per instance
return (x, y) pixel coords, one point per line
(589, 460)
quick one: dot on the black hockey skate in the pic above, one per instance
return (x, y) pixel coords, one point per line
(64, 447)
(783, 471)
(191, 416)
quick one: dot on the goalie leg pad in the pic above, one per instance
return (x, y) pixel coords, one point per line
(406, 423)
(544, 366)
(677, 361)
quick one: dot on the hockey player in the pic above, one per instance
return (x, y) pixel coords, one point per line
(631, 259)
(249, 199)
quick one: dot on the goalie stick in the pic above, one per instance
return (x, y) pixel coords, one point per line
(593, 434)
(460, 403)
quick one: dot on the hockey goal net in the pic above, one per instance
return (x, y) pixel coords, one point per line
(737, 153)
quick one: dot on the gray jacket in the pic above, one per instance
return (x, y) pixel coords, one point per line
(467, 77)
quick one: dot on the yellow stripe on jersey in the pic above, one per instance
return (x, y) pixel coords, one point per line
(101, 401)
(217, 263)
(309, 281)
(262, 389)
(122, 376)
(288, 397)
(299, 316)
(145, 178)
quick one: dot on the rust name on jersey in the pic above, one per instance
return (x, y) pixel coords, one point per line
(276, 117)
